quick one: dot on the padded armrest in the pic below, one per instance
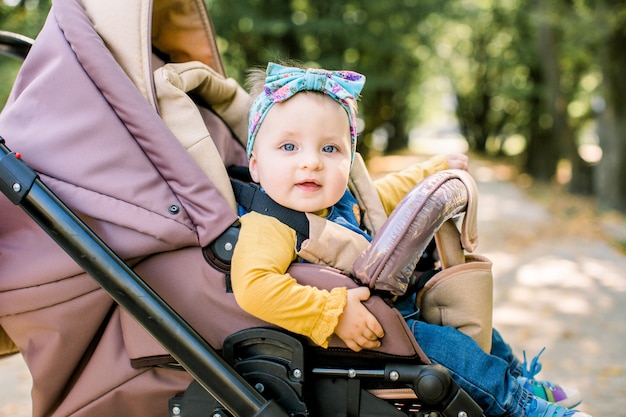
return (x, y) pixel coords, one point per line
(398, 339)
(389, 262)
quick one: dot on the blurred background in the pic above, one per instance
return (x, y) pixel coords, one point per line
(539, 83)
(535, 91)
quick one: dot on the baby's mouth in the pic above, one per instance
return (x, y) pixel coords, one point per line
(309, 185)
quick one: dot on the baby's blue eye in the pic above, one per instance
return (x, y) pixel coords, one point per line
(288, 147)
(329, 148)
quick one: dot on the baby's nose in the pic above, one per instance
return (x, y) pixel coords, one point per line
(311, 160)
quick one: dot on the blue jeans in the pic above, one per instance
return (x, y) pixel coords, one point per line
(490, 379)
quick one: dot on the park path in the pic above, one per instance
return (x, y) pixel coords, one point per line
(559, 283)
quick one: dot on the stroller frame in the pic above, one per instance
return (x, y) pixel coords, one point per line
(125, 286)
(21, 185)
(232, 392)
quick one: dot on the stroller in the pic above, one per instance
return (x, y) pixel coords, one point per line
(95, 148)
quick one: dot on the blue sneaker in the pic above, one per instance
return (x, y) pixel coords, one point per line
(542, 408)
(546, 390)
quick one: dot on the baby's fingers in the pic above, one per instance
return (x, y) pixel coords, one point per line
(368, 341)
(374, 326)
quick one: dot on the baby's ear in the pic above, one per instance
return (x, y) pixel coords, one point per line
(252, 167)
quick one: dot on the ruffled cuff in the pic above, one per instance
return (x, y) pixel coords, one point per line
(328, 320)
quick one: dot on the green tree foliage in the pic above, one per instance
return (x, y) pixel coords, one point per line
(373, 37)
(524, 75)
(475, 48)
(538, 81)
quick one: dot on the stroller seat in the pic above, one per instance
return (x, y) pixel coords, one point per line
(95, 127)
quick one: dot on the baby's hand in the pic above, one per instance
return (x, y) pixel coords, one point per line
(357, 327)
(457, 161)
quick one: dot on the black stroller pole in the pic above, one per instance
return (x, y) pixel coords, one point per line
(14, 45)
(22, 186)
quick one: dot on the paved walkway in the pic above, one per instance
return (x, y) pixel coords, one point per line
(15, 384)
(557, 285)
(560, 284)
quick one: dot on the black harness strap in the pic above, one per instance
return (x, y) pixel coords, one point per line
(251, 198)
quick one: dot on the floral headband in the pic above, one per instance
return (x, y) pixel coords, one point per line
(282, 83)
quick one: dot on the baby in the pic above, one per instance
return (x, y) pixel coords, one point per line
(301, 144)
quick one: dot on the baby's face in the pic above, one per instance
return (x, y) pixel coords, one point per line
(302, 152)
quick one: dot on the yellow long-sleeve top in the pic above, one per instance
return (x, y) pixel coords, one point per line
(266, 248)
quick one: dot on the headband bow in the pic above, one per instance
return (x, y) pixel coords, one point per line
(282, 83)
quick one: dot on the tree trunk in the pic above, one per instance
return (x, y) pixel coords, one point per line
(610, 174)
(557, 99)
(542, 151)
